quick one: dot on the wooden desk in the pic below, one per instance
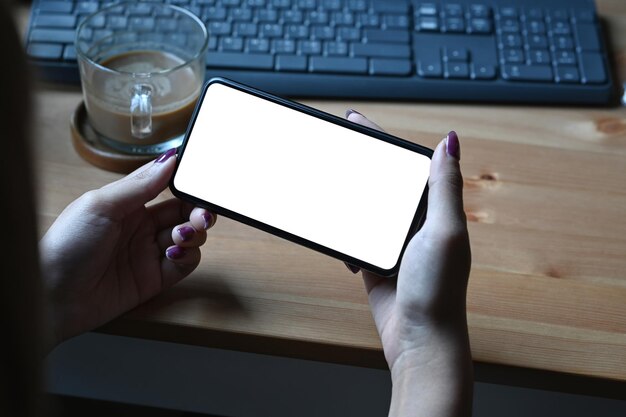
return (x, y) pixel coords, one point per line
(545, 193)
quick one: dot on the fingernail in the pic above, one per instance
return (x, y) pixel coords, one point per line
(352, 268)
(208, 220)
(165, 156)
(452, 145)
(350, 111)
(186, 233)
(175, 252)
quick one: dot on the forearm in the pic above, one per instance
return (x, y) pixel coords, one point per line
(435, 379)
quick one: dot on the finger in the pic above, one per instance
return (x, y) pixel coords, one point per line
(142, 185)
(178, 263)
(202, 219)
(445, 196)
(185, 235)
(169, 213)
(356, 117)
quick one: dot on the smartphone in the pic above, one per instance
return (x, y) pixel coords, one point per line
(334, 186)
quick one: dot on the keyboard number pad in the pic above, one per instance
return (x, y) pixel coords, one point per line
(548, 46)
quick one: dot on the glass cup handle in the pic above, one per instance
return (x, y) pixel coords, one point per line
(141, 111)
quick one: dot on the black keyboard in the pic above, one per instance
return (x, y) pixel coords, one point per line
(517, 51)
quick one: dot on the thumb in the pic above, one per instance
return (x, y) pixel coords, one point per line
(445, 196)
(143, 184)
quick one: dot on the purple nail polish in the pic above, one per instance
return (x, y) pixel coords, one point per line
(350, 111)
(452, 145)
(208, 220)
(352, 268)
(186, 233)
(165, 156)
(175, 252)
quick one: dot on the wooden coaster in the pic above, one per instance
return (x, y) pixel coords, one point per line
(91, 148)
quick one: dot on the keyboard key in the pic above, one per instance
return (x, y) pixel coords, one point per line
(480, 10)
(537, 42)
(510, 40)
(246, 29)
(483, 71)
(562, 42)
(382, 50)
(534, 13)
(291, 63)
(240, 60)
(231, 44)
(85, 7)
(566, 74)
(336, 48)
(479, 26)
(293, 16)
(390, 6)
(271, 30)
(53, 35)
(583, 16)
(142, 23)
(426, 9)
(587, 38)
(256, 45)
(456, 70)
(396, 21)
(453, 25)
(391, 36)
(323, 32)
(297, 31)
(453, 10)
(592, 68)
(560, 27)
(266, 16)
(69, 53)
(565, 57)
(349, 34)
(215, 13)
(120, 22)
(357, 5)
(241, 15)
(509, 25)
(309, 47)
(283, 46)
(379, 66)
(512, 55)
(512, 72)
(219, 28)
(332, 4)
(46, 51)
(427, 24)
(535, 27)
(539, 57)
(455, 54)
(55, 21)
(338, 65)
(56, 6)
(369, 20)
(507, 12)
(318, 18)
(343, 19)
(429, 68)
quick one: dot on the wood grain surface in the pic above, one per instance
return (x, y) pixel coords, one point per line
(545, 193)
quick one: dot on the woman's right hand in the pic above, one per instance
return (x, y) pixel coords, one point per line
(420, 314)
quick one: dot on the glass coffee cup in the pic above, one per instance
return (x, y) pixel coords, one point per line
(142, 75)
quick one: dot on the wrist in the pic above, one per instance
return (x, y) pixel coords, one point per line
(435, 375)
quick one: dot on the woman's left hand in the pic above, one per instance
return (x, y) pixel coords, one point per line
(108, 252)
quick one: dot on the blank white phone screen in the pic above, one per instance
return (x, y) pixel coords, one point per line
(333, 186)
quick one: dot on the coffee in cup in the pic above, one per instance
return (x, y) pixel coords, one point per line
(140, 87)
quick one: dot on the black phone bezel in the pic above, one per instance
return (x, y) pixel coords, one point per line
(419, 212)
